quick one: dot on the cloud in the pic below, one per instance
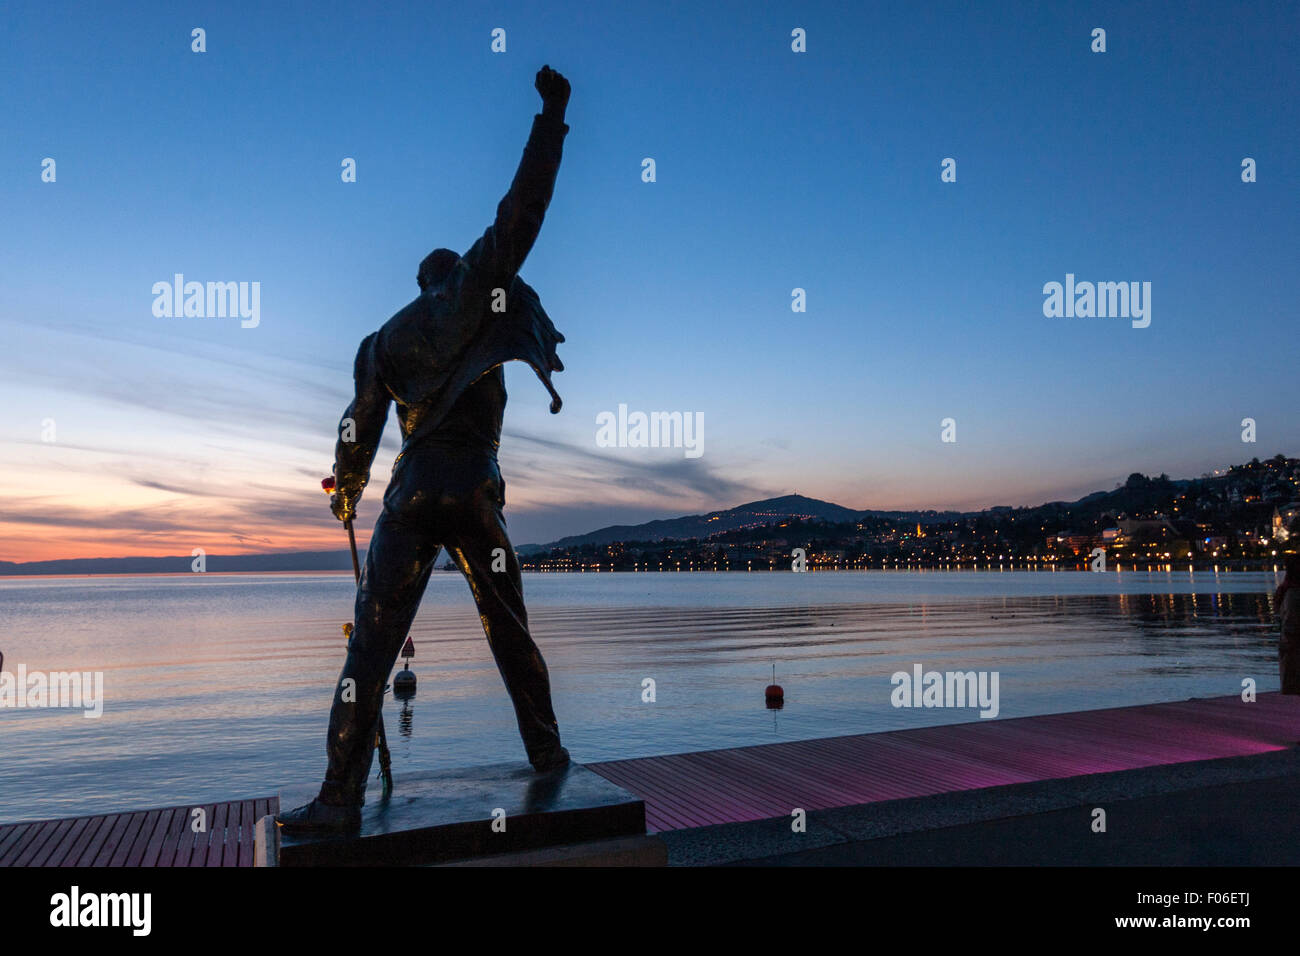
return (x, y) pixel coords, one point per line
(156, 519)
(269, 394)
(174, 489)
(672, 477)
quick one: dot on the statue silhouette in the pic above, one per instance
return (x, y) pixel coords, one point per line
(439, 360)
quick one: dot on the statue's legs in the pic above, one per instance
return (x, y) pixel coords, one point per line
(476, 545)
(455, 497)
(398, 562)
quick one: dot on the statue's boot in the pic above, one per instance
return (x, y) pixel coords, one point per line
(555, 759)
(318, 817)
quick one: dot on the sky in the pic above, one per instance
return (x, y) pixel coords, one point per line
(128, 433)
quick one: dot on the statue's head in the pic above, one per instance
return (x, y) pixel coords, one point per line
(435, 268)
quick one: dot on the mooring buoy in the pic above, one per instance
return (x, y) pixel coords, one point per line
(774, 695)
(404, 681)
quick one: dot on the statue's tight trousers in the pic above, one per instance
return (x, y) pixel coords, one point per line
(439, 496)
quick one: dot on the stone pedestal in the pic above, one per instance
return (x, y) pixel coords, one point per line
(498, 813)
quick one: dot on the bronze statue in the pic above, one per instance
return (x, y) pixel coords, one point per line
(440, 361)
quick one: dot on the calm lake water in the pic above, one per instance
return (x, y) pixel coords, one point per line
(218, 686)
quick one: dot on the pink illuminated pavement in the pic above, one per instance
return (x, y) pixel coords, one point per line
(756, 783)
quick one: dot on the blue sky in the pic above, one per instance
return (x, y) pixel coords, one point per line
(775, 170)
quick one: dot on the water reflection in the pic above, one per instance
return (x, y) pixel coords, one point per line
(200, 705)
(406, 719)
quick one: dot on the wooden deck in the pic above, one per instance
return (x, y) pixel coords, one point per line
(756, 783)
(160, 837)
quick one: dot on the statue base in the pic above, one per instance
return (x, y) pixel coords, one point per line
(491, 814)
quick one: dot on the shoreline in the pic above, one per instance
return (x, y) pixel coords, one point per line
(921, 569)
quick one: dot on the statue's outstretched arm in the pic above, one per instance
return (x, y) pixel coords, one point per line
(498, 255)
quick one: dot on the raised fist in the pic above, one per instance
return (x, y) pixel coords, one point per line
(554, 90)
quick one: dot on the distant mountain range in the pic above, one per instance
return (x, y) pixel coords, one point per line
(755, 514)
(281, 561)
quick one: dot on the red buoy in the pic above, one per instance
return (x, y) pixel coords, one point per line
(774, 694)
